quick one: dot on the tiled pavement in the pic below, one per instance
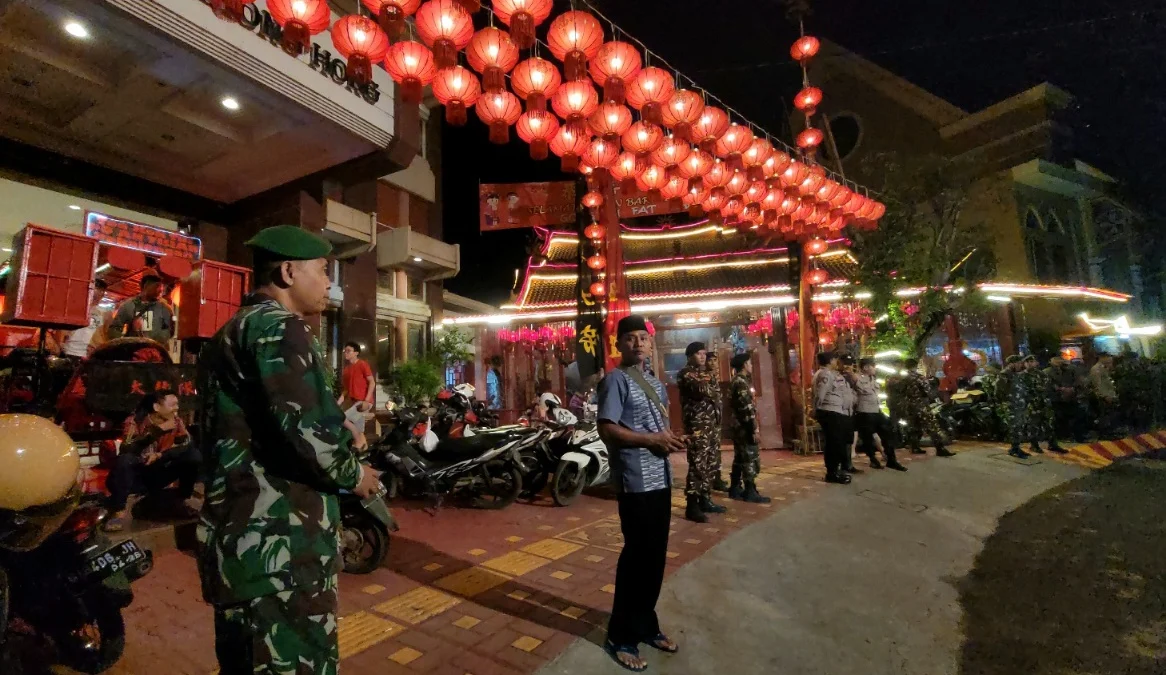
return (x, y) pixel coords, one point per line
(483, 592)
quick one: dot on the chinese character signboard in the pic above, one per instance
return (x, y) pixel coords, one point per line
(146, 238)
(124, 383)
(506, 206)
(637, 204)
(589, 321)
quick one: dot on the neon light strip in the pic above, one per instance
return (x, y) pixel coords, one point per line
(703, 256)
(659, 296)
(1064, 291)
(91, 216)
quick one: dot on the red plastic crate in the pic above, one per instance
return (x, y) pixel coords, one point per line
(51, 278)
(210, 296)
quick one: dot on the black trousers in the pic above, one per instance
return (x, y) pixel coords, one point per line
(131, 475)
(869, 424)
(644, 519)
(837, 434)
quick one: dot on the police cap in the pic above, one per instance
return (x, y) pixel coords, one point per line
(288, 242)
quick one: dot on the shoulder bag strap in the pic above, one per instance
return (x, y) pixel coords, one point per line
(654, 396)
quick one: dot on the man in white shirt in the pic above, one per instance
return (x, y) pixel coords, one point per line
(873, 426)
(79, 343)
(832, 406)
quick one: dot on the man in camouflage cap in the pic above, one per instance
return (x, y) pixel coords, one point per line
(702, 421)
(746, 433)
(276, 454)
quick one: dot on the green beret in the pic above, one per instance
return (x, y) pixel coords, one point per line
(288, 242)
(1015, 358)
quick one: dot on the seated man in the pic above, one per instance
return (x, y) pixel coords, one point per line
(155, 452)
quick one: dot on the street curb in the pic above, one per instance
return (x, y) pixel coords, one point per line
(1101, 454)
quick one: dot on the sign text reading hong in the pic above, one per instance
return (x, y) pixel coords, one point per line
(259, 21)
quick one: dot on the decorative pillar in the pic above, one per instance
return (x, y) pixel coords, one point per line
(806, 347)
(1089, 235)
(783, 396)
(618, 303)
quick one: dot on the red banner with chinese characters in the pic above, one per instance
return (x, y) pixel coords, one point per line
(637, 204)
(508, 206)
(146, 238)
(618, 304)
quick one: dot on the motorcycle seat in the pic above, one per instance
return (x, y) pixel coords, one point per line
(459, 449)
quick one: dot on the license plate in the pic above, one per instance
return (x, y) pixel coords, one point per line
(116, 559)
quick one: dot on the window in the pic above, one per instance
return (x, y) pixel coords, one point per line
(847, 132)
(329, 336)
(1032, 221)
(418, 340)
(386, 348)
(387, 282)
(416, 289)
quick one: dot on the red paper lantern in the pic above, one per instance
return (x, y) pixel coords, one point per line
(816, 246)
(794, 174)
(880, 210)
(756, 192)
(696, 165)
(499, 109)
(715, 202)
(300, 20)
(807, 100)
(718, 175)
(694, 200)
(810, 139)
(446, 27)
(733, 144)
(492, 53)
(709, 127)
(594, 231)
(653, 179)
(535, 80)
(614, 67)
(457, 89)
(592, 200)
(523, 16)
(755, 157)
(575, 102)
(537, 128)
(827, 191)
(737, 184)
(805, 49)
(229, 10)
(470, 6)
(597, 262)
(671, 153)
(362, 43)
(649, 92)
(811, 183)
(574, 38)
(675, 188)
(391, 14)
(642, 138)
(817, 277)
(601, 153)
(569, 145)
(683, 110)
(733, 207)
(411, 66)
(610, 120)
(626, 169)
(599, 290)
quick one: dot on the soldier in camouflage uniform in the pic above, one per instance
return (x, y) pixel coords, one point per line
(702, 421)
(916, 410)
(719, 483)
(1039, 402)
(746, 434)
(276, 454)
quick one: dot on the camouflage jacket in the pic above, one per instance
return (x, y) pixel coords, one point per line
(896, 403)
(698, 399)
(916, 394)
(744, 409)
(276, 455)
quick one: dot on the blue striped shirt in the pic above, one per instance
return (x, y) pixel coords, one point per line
(623, 402)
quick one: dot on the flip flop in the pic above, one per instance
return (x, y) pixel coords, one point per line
(654, 643)
(613, 651)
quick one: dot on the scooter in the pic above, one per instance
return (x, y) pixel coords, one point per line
(365, 525)
(583, 461)
(71, 584)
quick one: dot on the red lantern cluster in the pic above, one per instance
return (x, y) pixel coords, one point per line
(446, 28)
(457, 89)
(492, 53)
(391, 14)
(299, 21)
(523, 16)
(362, 43)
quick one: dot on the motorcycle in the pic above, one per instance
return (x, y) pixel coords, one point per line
(540, 460)
(63, 579)
(365, 525)
(583, 462)
(972, 416)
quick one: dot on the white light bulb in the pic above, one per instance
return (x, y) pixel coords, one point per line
(649, 85)
(446, 22)
(704, 119)
(679, 105)
(493, 51)
(643, 135)
(410, 60)
(299, 7)
(616, 62)
(359, 35)
(230, 103)
(77, 30)
(612, 118)
(576, 99)
(732, 137)
(536, 76)
(573, 36)
(536, 122)
(457, 82)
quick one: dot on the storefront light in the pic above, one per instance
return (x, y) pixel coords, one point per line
(1002, 299)
(885, 369)
(230, 103)
(74, 207)
(77, 29)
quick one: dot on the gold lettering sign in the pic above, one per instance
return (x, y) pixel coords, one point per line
(589, 338)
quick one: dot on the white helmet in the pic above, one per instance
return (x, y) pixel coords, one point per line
(549, 400)
(464, 389)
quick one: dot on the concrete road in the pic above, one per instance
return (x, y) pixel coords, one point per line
(859, 579)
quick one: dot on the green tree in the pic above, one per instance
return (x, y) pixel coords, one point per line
(451, 346)
(417, 382)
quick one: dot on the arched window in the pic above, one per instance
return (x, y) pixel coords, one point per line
(1032, 220)
(847, 131)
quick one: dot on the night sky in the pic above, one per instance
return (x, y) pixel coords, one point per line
(1110, 55)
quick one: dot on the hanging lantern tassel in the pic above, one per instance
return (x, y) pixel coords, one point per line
(392, 19)
(359, 69)
(296, 38)
(455, 114)
(229, 10)
(522, 29)
(470, 6)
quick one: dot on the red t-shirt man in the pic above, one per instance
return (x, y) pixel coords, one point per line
(357, 383)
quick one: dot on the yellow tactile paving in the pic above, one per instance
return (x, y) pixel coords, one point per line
(372, 589)
(516, 563)
(1114, 449)
(610, 588)
(472, 581)
(518, 595)
(1133, 445)
(514, 539)
(433, 567)
(552, 549)
(357, 632)
(418, 605)
(405, 656)
(476, 552)
(526, 643)
(1091, 455)
(561, 575)
(573, 612)
(467, 622)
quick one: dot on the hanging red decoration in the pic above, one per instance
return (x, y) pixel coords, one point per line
(537, 128)
(777, 162)
(391, 14)
(817, 277)
(523, 16)
(470, 6)
(446, 28)
(709, 127)
(535, 80)
(594, 231)
(811, 183)
(694, 200)
(642, 138)
(601, 153)
(362, 43)
(810, 139)
(569, 145)
(614, 67)
(411, 66)
(805, 49)
(300, 20)
(715, 202)
(675, 188)
(737, 184)
(827, 191)
(499, 109)
(229, 10)
(626, 169)
(599, 290)
(794, 174)
(576, 101)
(755, 157)
(649, 92)
(492, 53)
(671, 153)
(653, 179)
(592, 200)
(457, 89)
(807, 100)
(597, 262)
(610, 120)
(816, 246)
(574, 38)
(756, 192)
(733, 144)
(732, 208)
(717, 176)
(696, 165)
(683, 110)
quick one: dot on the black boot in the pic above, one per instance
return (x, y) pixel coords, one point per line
(841, 478)
(719, 483)
(752, 496)
(736, 490)
(918, 451)
(941, 451)
(874, 462)
(709, 506)
(1056, 447)
(892, 462)
(1016, 452)
(693, 512)
(1035, 449)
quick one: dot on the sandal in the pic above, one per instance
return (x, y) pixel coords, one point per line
(655, 643)
(631, 650)
(114, 524)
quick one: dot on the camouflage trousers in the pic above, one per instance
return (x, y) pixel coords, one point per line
(288, 633)
(704, 452)
(921, 422)
(746, 462)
